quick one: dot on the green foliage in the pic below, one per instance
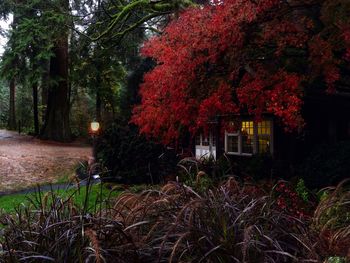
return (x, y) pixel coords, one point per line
(302, 190)
(103, 76)
(336, 260)
(82, 110)
(322, 194)
(97, 69)
(35, 27)
(130, 93)
(130, 15)
(24, 109)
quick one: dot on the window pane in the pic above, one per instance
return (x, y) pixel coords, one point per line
(264, 143)
(248, 127)
(247, 143)
(264, 127)
(247, 136)
(264, 136)
(232, 143)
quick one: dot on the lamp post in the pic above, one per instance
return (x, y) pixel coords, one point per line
(94, 130)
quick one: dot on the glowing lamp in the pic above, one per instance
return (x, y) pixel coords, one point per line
(94, 126)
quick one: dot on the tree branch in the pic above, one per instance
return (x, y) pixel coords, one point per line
(155, 8)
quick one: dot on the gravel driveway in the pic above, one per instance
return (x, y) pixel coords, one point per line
(26, 161)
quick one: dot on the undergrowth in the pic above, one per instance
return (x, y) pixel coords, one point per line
(228, 222)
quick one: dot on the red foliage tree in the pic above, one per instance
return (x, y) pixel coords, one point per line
(236, 56)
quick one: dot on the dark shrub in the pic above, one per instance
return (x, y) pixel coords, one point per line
(216, 170)
(131, 158)
(258, 166)
(294, 200)
(327, 165)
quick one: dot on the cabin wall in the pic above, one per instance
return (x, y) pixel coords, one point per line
(327, 122)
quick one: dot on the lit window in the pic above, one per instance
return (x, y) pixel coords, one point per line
(264, 136)
(247, 133)
(251, 138)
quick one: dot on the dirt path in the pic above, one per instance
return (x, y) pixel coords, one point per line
(26, 161)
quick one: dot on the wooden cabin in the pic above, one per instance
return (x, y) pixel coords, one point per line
(327, 118)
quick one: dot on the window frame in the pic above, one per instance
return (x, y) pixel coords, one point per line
(239, 136)
(210, 147)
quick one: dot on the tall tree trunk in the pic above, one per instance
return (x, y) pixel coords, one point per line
(44, 92)
(35, 95)
(12, 109)
(44, 89)
(12, 124)
(56, 126)
(35, 108)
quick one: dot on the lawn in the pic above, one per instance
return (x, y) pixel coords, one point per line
(10, 202)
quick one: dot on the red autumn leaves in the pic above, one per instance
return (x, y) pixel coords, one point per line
(239, 56)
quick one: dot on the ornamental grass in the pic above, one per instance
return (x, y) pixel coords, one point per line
(231, 222)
